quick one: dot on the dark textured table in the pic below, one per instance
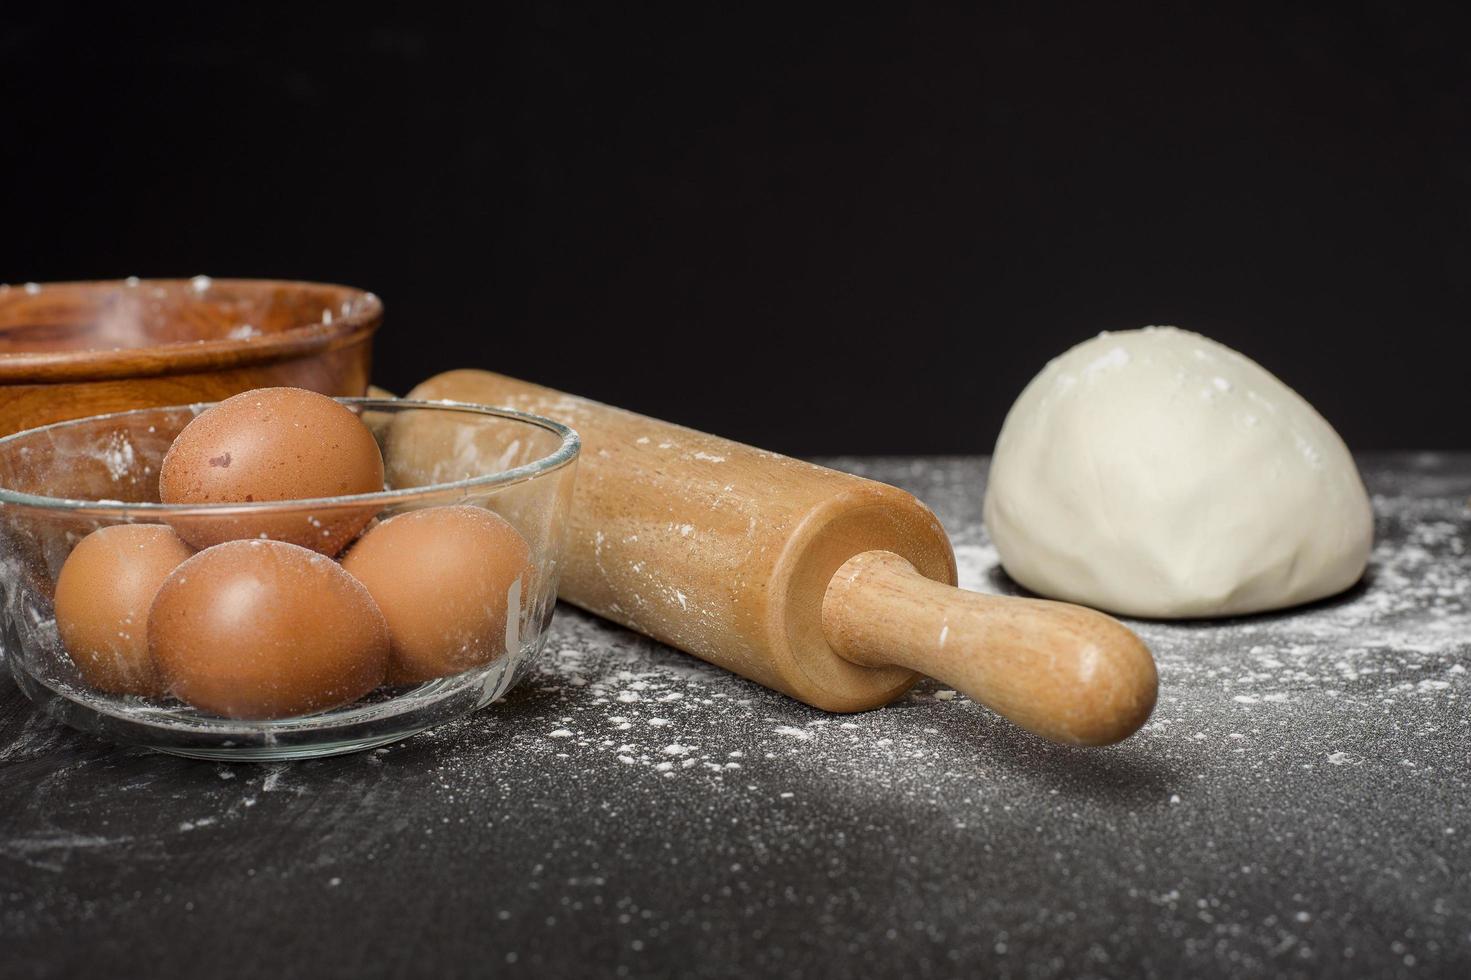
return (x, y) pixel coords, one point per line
(1298, 805)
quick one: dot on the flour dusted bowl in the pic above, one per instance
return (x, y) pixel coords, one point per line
(68, 486)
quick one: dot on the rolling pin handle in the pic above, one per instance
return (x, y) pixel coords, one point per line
(1064, 672)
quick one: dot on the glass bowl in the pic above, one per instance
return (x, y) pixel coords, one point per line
(61, 482)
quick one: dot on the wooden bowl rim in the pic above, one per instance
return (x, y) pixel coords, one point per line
(190, 356)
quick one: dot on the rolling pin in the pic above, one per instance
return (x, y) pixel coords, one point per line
(833, 589)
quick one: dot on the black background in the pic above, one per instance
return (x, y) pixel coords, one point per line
(851, 232)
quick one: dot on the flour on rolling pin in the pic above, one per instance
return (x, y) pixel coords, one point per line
(831, 588)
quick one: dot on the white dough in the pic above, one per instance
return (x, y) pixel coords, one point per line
(1158, 473)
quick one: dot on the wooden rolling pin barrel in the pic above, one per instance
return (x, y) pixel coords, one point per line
(836, 590)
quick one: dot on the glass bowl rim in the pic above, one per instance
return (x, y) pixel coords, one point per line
(565, 453)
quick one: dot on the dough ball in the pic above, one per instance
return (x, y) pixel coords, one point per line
(1158, 473)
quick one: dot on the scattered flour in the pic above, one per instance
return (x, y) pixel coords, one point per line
(1263, 722)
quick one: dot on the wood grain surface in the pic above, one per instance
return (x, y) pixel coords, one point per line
(717, 548)
(1061, 671)
(69, 350)
(756, 562)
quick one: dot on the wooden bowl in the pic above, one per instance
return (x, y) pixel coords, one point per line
(73, 349)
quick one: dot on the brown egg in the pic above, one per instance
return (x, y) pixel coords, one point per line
(266, 629)
(102, 599)
(446, 579)
(273, 444)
